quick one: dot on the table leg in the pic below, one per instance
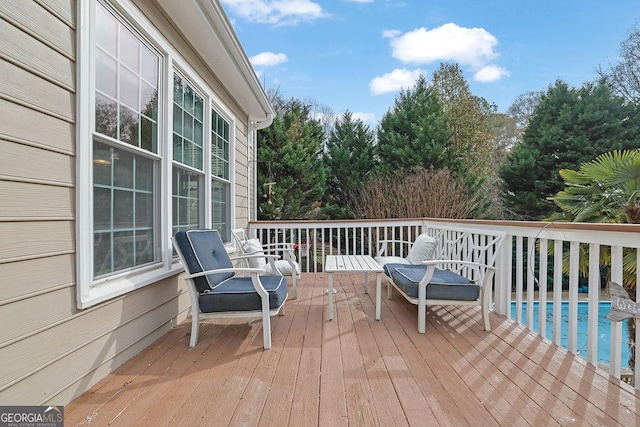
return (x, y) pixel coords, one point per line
(366, 282)
(378, 294)
(330, 277)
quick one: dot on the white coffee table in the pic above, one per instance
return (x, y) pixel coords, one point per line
(349, 264)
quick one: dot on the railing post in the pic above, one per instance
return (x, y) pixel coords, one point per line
(502, 297)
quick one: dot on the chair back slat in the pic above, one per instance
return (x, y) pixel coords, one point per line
(203, 250)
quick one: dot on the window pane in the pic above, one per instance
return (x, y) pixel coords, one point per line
(130, 50)
(177, 119)
(129, 88)
(129, 126)
(123, 168)
(106, 116)
(220, 208)
(148, 101)
(102, 261)
(148, 134)
(178, 155)
(186, 200)
(144, 210)
(219, 146)
(123, 209)
(101, 209)
(144, 176)
(149, 67)
(106, 74)
(107, 31)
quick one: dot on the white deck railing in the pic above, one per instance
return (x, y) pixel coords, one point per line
(521, 267)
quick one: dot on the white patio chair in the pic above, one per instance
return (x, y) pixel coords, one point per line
(287, 266)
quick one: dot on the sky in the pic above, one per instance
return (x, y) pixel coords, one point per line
(357, 55)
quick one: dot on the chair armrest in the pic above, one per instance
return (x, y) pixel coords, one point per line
(225, 270)
(481, 269)
(281, 246)
(254, 255)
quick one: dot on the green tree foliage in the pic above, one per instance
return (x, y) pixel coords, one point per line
(606, 189)
(291, 174)
(569, 127)
(467, 120)
(414, 133)
(349, 160)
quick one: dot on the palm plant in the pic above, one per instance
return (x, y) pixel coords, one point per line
(606, 189)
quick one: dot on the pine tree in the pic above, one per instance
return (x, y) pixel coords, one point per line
(291, 174)
(569, 127)
(414, 133)
(349, 159)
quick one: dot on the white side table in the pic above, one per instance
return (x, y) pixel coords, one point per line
(350, 264)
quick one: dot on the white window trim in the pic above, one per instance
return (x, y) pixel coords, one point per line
(89, 291)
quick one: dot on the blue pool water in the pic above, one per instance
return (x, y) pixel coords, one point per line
(604, 328)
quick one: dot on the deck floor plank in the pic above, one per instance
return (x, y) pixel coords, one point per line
(355, 370)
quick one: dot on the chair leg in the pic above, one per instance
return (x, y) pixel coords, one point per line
(485, 309)
(195, 324)
(266, 330)
(422, 308)
(294, 279)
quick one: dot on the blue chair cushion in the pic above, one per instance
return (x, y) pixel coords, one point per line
(238, 294)
(204, 250)
(444, 285)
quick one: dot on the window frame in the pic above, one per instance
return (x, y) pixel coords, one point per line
(91, 291)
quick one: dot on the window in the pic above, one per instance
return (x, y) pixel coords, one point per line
(143, 144)
(188, 168)
(220, 175)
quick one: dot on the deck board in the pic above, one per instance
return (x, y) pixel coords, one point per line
(355, 370)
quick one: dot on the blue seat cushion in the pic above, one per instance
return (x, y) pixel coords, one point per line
(238, 294)
(444, 285)
(203, 250)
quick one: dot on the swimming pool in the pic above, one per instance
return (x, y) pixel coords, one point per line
(604, 328)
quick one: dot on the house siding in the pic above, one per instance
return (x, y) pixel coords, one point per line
(50, 351)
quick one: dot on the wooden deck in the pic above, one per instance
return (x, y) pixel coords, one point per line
(357, 371)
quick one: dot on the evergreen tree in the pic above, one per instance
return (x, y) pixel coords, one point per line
(291, 175)
(569, 127)
(414, 133)
(349, 160)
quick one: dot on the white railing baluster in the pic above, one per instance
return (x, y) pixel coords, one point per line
(542, 287)
(557, 291)
(574, 256)
(530, 275)
(594, 303)
(519, 272)
(616, 327)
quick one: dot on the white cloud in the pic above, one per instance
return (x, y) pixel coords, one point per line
(360, 1)
(394, 81)
(390, 34)
(367, 118)
(268, 59)
(470, 47)
(490, 73)
(277, 12)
